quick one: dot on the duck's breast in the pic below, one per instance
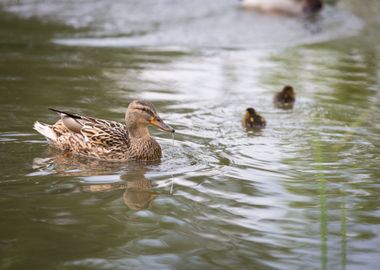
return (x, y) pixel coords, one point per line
(144, 149)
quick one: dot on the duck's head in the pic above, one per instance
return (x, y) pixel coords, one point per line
(311, 6)
(288, 92)
(250, 112)
(249, 117)
(140, 114)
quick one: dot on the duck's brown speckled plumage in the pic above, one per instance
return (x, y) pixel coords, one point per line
(108, 140)
(253, 120)
(285, 98)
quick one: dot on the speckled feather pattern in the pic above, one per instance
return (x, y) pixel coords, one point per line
(253, 120)
(107, 140)
(285, 98)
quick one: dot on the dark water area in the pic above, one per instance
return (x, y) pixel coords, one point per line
(303, 193)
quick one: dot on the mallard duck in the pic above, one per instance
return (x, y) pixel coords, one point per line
(285, 98)
(108, 140)
(290, 7)
(252, 119)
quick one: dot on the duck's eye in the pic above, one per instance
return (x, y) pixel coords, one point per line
(148, 111)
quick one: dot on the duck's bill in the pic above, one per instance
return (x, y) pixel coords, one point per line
(161, 125)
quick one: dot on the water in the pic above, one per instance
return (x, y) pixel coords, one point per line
(300, 194)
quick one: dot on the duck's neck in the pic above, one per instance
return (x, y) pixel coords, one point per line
(142, 146)
(138, 132)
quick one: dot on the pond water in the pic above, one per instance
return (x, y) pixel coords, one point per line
(303, 193)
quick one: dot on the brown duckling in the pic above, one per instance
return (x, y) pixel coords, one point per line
(105, 139)
(252, 119)
(285, 98)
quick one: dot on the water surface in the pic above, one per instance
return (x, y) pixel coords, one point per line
(300, 194)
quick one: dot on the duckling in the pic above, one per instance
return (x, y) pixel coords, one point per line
(105, 139)
(285, 98)
(252, 119)
(290, 7)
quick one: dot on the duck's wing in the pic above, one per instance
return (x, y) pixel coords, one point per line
(73, 122)
(105, 133)
(96, 131)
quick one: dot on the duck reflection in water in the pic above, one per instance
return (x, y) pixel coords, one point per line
(138, 193)
(138, 190)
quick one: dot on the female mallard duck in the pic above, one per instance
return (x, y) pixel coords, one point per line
(285, 98)
(252, 119)
(290, 7)
(108, 140)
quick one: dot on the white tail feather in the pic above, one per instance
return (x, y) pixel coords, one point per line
(45, 130)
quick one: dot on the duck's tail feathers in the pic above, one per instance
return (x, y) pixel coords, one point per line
(45, 130)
